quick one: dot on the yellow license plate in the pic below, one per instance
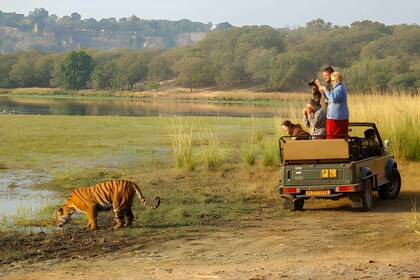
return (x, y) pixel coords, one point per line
(329, 173)
(318, 192)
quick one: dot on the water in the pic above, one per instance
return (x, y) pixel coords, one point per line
(119, 107)
(16, 192)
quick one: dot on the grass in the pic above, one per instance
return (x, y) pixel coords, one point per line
(270, 152)
(82, 151)
(182, 149)
(212, 152)
(397, 118)
(250, 155)
(37, 91)
(26, 216)
(213, 155)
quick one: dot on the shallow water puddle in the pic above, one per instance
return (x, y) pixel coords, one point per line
(16, 194)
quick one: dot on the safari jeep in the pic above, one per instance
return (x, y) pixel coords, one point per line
(334, 168)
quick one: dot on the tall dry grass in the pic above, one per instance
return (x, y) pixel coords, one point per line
(182, 145)
(212, 152)
(397, 116)
(187, 154)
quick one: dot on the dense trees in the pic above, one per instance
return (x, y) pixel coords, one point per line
(371, 55)
(74, 71)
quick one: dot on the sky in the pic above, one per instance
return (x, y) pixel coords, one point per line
(276, 13)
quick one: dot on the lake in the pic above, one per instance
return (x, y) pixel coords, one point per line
(135, 108)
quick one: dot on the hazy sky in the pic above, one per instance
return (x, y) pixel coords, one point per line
(277, 13)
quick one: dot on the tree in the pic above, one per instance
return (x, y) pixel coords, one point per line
(191, 72)
(318, 25)
(38, 15)
(23, 70)
(76, 16)
(75, 70)
(227, 77)
(6, 64)
(44, 68)
(291, 72)
(259, 65)
(104, 75)
(159, 69)
(131, 69)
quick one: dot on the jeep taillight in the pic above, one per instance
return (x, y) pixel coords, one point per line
(290, 190)
(346, 189)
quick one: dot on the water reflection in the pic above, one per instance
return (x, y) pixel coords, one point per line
(15, 191)
(83, 107)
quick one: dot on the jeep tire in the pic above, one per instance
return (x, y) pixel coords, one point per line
(367, 198)
(392, 189)
(291, 203)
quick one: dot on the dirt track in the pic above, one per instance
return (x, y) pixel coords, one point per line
(327, 241)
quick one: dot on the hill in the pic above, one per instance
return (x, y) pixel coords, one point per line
(45, 32)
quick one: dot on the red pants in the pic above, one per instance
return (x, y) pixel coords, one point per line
(335, 127)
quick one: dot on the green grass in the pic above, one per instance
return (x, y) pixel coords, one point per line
(182, 146)
(37, 91)
(250, 155)
(26, 216)
(270, 152)
(82, 151)
(77, 140)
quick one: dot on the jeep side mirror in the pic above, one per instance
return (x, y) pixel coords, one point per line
(386, 144)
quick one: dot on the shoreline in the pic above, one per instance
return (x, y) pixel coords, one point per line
(214, 95)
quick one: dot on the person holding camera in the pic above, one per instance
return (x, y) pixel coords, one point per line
(315, 118)
(326, 74)
(317, 91)
(337, 113)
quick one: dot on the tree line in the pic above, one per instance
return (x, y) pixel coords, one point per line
(371, 56)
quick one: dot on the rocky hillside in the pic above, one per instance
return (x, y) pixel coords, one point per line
(43, 32)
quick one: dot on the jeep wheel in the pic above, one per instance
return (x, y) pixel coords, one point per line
(298, 204)
(367, 198)
(392, 189)
(291, 203)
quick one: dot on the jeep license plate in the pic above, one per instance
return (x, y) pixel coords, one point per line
(318, 192)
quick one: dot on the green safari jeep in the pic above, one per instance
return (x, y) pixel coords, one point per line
(334, 168)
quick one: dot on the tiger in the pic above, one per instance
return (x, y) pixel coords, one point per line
(117, 195)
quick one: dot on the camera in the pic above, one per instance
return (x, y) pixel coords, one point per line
(312, 83)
